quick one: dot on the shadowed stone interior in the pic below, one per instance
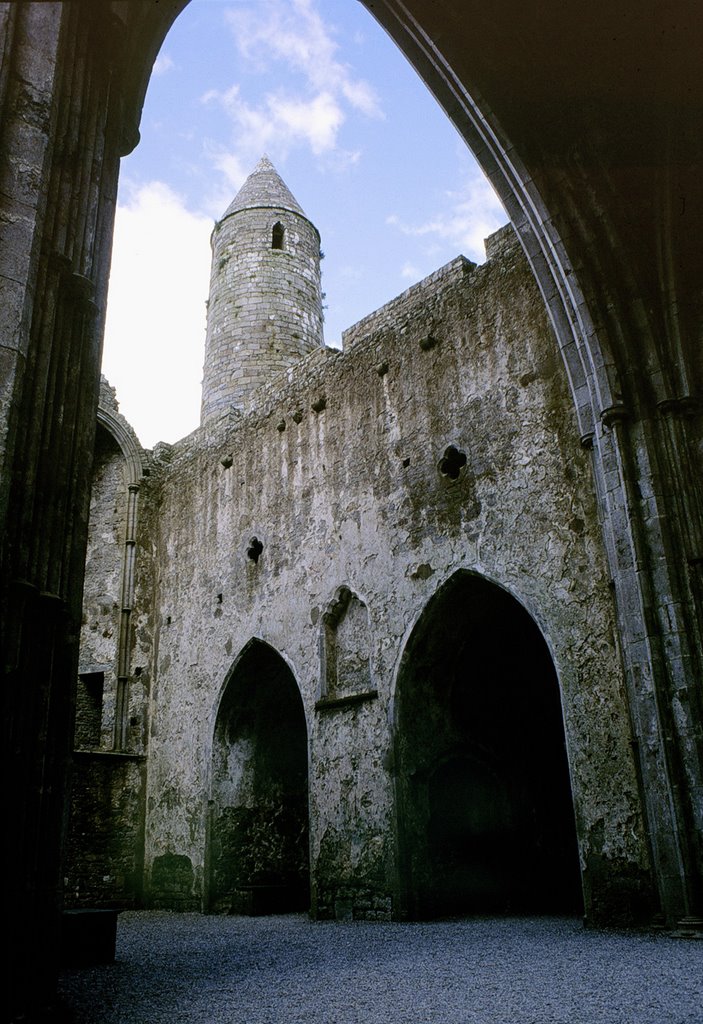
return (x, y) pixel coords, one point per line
(576, 399)
(259, 804)
(485, 812)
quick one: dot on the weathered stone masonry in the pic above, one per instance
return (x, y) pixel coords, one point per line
(598, 168)
(264, 308)
(319, 526)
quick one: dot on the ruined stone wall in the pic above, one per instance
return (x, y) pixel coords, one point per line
(105, 841)
(116, 631)
(443, 438)
(72, 83)
(103, 586)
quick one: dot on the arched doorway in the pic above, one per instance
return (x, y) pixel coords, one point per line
(258, 824)
(485, 815)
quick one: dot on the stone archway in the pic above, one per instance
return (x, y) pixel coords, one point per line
(600, 160)
(485, 815)
(258, 823)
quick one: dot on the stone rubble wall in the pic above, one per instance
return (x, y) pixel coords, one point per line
(336, 474)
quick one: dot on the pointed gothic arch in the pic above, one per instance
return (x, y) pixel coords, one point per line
(258, 810)
(485, 821)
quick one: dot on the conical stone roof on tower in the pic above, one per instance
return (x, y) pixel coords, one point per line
(264, 188)
(265, 303)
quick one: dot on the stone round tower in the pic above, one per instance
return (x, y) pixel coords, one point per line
(265, 304)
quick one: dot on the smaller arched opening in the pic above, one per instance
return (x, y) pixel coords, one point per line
(346, 657)
(484, 807)
(258, 849)
(278, 236)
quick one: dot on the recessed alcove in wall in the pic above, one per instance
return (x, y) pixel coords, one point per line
(345, 650)
(100, 706)
(89, 708)
(485, 815)
(258, 811)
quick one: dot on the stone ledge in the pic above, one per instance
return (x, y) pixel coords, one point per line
(349, 700)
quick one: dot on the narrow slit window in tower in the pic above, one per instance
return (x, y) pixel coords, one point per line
(277, 235)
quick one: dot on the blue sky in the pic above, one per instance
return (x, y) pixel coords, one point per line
(357, 137)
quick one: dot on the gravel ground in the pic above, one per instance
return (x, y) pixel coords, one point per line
(182, 968)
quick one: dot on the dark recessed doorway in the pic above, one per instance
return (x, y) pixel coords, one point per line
(258, 826)
(484, 807)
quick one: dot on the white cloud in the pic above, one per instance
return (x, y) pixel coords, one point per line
(411, 272)
(349, 273)
(361, 96)
(320, 91)
(318, 120)
(282, 119)
(162, 64)
(295, 33)
(234, 170)
(341, 159)
(155, 331)
(471, 214)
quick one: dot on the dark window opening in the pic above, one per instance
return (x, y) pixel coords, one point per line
(254, 550)
(452, 462)
(89, 709)
(277, 236)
